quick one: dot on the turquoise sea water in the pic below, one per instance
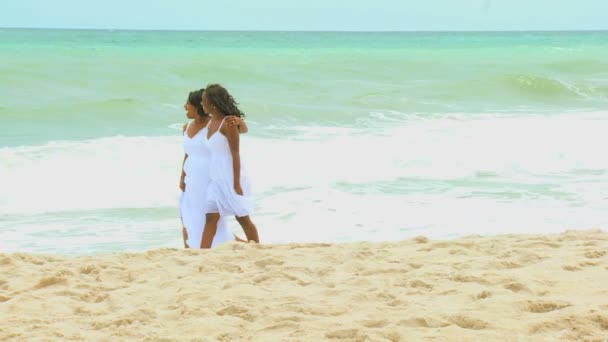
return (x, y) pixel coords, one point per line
(353, 136)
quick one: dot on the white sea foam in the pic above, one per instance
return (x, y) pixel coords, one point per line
(438, 177)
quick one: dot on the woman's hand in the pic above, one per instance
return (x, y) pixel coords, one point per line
(238, 189)
(182, 185)
(238, 122)
(232, 121)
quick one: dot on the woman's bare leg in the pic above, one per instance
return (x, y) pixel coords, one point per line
(210, 229)
(249, 228)
(185, 235)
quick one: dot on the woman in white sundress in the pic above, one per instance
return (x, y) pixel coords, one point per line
(195, 174)
(230, 190)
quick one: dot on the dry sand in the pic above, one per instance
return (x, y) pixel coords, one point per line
(504, 288)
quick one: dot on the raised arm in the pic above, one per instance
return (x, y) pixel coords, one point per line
(242, 125)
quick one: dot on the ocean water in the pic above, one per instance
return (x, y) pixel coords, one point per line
(353, 136)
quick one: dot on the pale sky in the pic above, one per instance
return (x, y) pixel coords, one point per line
(306, 15)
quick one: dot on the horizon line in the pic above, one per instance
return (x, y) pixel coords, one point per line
(299, 31)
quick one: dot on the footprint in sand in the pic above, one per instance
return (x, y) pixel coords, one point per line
(375, 323)
(363, 254)
(262, 278)
(351, 334)
(232, 310)
(504, 265)
(421, 284)
(570, 322)
(296, 279)
(465, 278)
(89, 269)
(483, 295)
(268, 262)
(469, 323)
(423, 322)
(81, 311)
(383, 271)
(541, 244)
(324, 272)
(229, 268)
(289, 326)
(542, 306)
(393, 336)
(571, 268)
(579, 266)
(64, 273)
(50, 281)
(458, 251)
(595, 254)
(236, 311)
(517, 287)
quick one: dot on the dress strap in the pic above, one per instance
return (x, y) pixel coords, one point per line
(221, 123)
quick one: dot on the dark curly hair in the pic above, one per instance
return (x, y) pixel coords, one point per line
(194, 98)
(222, 100)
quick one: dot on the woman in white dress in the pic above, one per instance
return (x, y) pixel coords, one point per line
(229, 191)
(195, 174)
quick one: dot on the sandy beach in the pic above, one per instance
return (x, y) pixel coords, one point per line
(503, 288)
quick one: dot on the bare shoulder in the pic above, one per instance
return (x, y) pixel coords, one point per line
(184, 128)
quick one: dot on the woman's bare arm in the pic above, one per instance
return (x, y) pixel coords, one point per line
(182, 180)
(242, 125)
(232, 134)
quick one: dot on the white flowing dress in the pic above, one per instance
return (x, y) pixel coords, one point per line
(221, 196)
(193, 201)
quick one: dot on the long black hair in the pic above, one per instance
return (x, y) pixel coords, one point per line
(222, 100)
(195, 99)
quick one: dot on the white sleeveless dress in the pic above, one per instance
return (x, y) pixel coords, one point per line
(194, 199)
(221, 196)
